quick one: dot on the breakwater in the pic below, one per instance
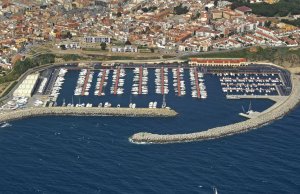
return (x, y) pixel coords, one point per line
(278, 110)
(85, 111)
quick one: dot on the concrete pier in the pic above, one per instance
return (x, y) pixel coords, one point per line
(85, 111)
(277, 111)
(117, 81)
(197, 82)
(162, 79)
(140, 80)
(85, 82)
(102, 82)
(178, 81)
(270, 97)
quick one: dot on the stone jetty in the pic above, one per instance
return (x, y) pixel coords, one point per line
(85, 111)
(277, 111)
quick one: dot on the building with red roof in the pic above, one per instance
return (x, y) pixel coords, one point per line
(218, 61)
(243, 10)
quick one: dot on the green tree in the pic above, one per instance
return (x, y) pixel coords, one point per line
(268, 24)
(119, 14)
(179, 10)
(103, 45)
(215, 3)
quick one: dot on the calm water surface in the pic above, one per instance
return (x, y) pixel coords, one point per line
(93, 155)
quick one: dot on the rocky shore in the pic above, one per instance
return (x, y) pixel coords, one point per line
(277, 111)
(84, 111)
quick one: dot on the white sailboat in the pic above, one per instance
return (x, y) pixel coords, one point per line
(215, 190)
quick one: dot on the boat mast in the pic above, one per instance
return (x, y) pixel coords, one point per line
(215, 190)
(130, 99)
(249, 107)
(164, 104)
(243, 109)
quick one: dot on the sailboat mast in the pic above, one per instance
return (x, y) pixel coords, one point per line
(249, 106)
(164, 104)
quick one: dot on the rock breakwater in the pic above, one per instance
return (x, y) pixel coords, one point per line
(278, 110)
(84, 111)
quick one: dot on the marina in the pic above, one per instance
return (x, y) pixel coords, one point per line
(138, 86)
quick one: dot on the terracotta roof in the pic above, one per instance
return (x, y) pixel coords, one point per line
(204, 60)
(244, 9)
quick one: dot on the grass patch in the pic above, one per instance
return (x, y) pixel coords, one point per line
(12, 85)
(94, 49)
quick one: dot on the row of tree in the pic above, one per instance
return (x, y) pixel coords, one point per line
(149, 9)
(292, 22)
(180, 9)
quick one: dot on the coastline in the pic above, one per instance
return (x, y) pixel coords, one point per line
(84, 111)
(275, 112)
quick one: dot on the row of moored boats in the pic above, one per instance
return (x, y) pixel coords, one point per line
(118, 81)
(178, 81)
(198, 85)
(161, 81)
(139, 85)
(101, 82)
(140, 81)
(84, 83)
(58, 82)
(250, 84)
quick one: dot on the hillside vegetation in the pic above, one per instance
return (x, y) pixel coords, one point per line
(22, 66)
(282, 8)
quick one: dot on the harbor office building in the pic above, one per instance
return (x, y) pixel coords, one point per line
(94, 41)
(215, 62)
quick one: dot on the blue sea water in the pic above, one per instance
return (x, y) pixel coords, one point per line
(93, 154)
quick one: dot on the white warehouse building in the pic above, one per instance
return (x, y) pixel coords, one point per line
(26, 88)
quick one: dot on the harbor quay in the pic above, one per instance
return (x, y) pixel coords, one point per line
(277, 111)
(86, 111)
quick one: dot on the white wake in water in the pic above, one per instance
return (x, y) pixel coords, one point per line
(4, 125)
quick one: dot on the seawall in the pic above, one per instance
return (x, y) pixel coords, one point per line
(277, 111)
(84, 111)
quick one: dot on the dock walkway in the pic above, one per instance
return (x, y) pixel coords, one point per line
(269, 97)
(140, 80)
(178, 81)
(197, 82)
(102, 82)
(117, 81)
(162, 79)
(85, 82)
